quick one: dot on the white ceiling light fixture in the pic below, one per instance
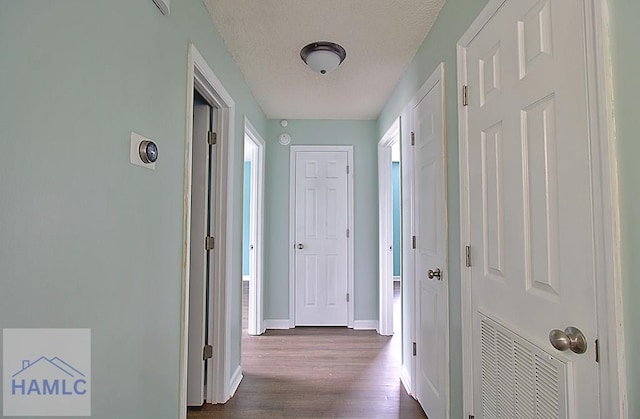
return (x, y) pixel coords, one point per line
(323, 56)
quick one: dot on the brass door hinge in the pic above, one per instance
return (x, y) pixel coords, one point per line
(207, 352)
(212, 138)
(468, 256)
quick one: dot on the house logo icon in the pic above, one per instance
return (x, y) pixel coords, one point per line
(48, 377)
(46, 372)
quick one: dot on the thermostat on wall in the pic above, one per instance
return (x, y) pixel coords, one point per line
(284, 138)
(143, 151)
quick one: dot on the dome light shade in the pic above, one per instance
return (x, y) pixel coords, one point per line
(322, 56)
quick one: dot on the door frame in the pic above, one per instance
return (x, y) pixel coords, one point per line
(612, 386)
(222, 382)
(255, 324)
(292, 229)
(385, 228)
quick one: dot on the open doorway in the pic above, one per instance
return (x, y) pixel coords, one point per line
(203, 180)
(205, 371)
(389, 228)
(252, 232)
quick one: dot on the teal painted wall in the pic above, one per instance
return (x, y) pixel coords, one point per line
(440, 46)
(86, 238)
(246, 219)
(625, 37)
(395, 185)
(363, 136)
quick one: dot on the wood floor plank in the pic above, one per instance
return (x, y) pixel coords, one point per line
(317, 372)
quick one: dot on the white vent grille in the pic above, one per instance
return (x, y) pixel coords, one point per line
(519, 380)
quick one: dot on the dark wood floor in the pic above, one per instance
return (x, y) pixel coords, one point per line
(318, 372)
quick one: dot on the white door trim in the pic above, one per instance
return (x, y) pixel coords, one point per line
(613, 393)
(220, 388)
(385, 225)
(256, 316)
(292, 239)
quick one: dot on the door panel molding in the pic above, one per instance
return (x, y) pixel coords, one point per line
(350, 223)
(612, 386)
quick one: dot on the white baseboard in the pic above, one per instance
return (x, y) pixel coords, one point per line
(234, 383)
(365, 325)
(405, 379)
(387, 332)
(276, 324)
(284, 324)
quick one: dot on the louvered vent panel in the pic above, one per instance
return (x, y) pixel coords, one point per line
(519, 379)
(506, 395)
(524, 370)
(489, 375)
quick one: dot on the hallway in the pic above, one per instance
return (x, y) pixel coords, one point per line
(311, 372)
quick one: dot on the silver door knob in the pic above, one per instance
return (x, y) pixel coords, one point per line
(571, 338)
(434, 274)
(300, 246)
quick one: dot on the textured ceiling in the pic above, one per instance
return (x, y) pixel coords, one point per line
(265, 37)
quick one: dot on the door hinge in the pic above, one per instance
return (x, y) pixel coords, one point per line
(468, 256)
(413, 138)
(347, 297)
(207, 352)
(597, 351)
(472, 417)
(465, 95)
(212, 138)
(414, 349)
(347, 169)
(348, 233)
(209, 243)
(413, 242)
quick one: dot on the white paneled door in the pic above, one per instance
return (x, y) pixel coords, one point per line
(531, 213)
(321, 235)
(430, 244)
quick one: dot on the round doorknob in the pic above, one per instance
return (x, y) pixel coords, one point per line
(300, 246)
(569, 339)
